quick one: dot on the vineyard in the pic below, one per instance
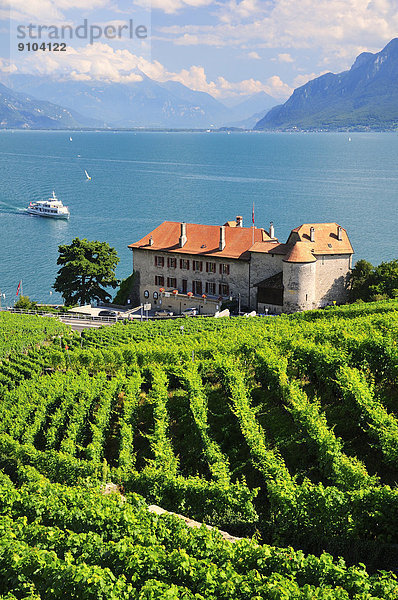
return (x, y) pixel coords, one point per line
(282, 431)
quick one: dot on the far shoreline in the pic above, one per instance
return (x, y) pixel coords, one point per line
(187, 130)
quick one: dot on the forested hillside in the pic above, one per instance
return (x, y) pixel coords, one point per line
(285, 429)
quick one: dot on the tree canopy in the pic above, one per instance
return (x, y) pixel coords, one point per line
(124, 290)
(87, 268)
(373, 283)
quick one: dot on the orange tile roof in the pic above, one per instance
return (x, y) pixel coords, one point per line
(201, 239)
(300, 252)
(325, 238)
(268, 247)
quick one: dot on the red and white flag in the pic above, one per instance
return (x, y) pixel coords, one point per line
(19, 287)
(253, 214)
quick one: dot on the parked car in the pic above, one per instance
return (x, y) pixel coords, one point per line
(190, 312)
(164, 313)
(107, 313)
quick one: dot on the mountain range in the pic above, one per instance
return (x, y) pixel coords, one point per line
(144, 103)
(19, 110)
(363, 98)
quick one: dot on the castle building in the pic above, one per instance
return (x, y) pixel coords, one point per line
(183, 265)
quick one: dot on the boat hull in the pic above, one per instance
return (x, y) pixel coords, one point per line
(48, 216)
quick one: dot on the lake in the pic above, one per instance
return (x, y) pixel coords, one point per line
(139, 179)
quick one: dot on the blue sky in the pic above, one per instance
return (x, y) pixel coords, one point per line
(227, 48)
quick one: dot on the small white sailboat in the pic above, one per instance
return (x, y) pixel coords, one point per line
(349, 139)
(70, 139)
(87, 175)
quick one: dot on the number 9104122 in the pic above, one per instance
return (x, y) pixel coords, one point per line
(45, 46)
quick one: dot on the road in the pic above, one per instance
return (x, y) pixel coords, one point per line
(81, 324)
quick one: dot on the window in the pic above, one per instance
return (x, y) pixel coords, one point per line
(159, 261)
(210, 267)
(159, 280)
(172, 263)
(184, 264)
(184, 286)
(197, 288)
(224, 289)
(224, 269)
(171, 282)
(197, 265)
(210, 288)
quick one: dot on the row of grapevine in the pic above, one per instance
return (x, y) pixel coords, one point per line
(343, 471)
(381, 425)
(268, 461)
(161, 447)
(129, 397)
(217, 461)
(19, 332)
(80, 535)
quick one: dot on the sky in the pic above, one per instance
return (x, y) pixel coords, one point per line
(229, 49)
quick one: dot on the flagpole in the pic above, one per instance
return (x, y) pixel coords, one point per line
(253, 224)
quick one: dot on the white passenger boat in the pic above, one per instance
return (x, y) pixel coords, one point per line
(49, 208)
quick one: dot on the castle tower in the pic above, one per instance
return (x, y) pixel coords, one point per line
(299, 277)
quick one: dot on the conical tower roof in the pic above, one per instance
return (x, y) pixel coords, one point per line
(300, 253)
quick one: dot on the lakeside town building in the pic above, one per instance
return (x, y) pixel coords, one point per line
(183, 265)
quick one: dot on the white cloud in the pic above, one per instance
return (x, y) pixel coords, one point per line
(45, 11)
(254, 55)
(233, 11)
(102, 62)
(93, 62)
(285, 58)
(7, 67)
(278, 88)
(335, 27)
(171, 6)
(303, 79)
(189, 39)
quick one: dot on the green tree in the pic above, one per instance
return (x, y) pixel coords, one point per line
(385, 280)
(374, 283)
(25, 303)
(360, 282)
(87, 267)
(124, 290)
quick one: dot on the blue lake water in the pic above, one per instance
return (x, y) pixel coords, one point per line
(141, 179)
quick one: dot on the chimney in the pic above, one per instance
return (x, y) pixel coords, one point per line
(339, 233)
(312, 234)
(150, 241)
(183, 237)
(271, 230)
(239, 221)
(221, 245)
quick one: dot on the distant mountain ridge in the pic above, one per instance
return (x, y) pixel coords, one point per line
(251, 110)
(145, 103)
(364, 98)
(18, 110)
